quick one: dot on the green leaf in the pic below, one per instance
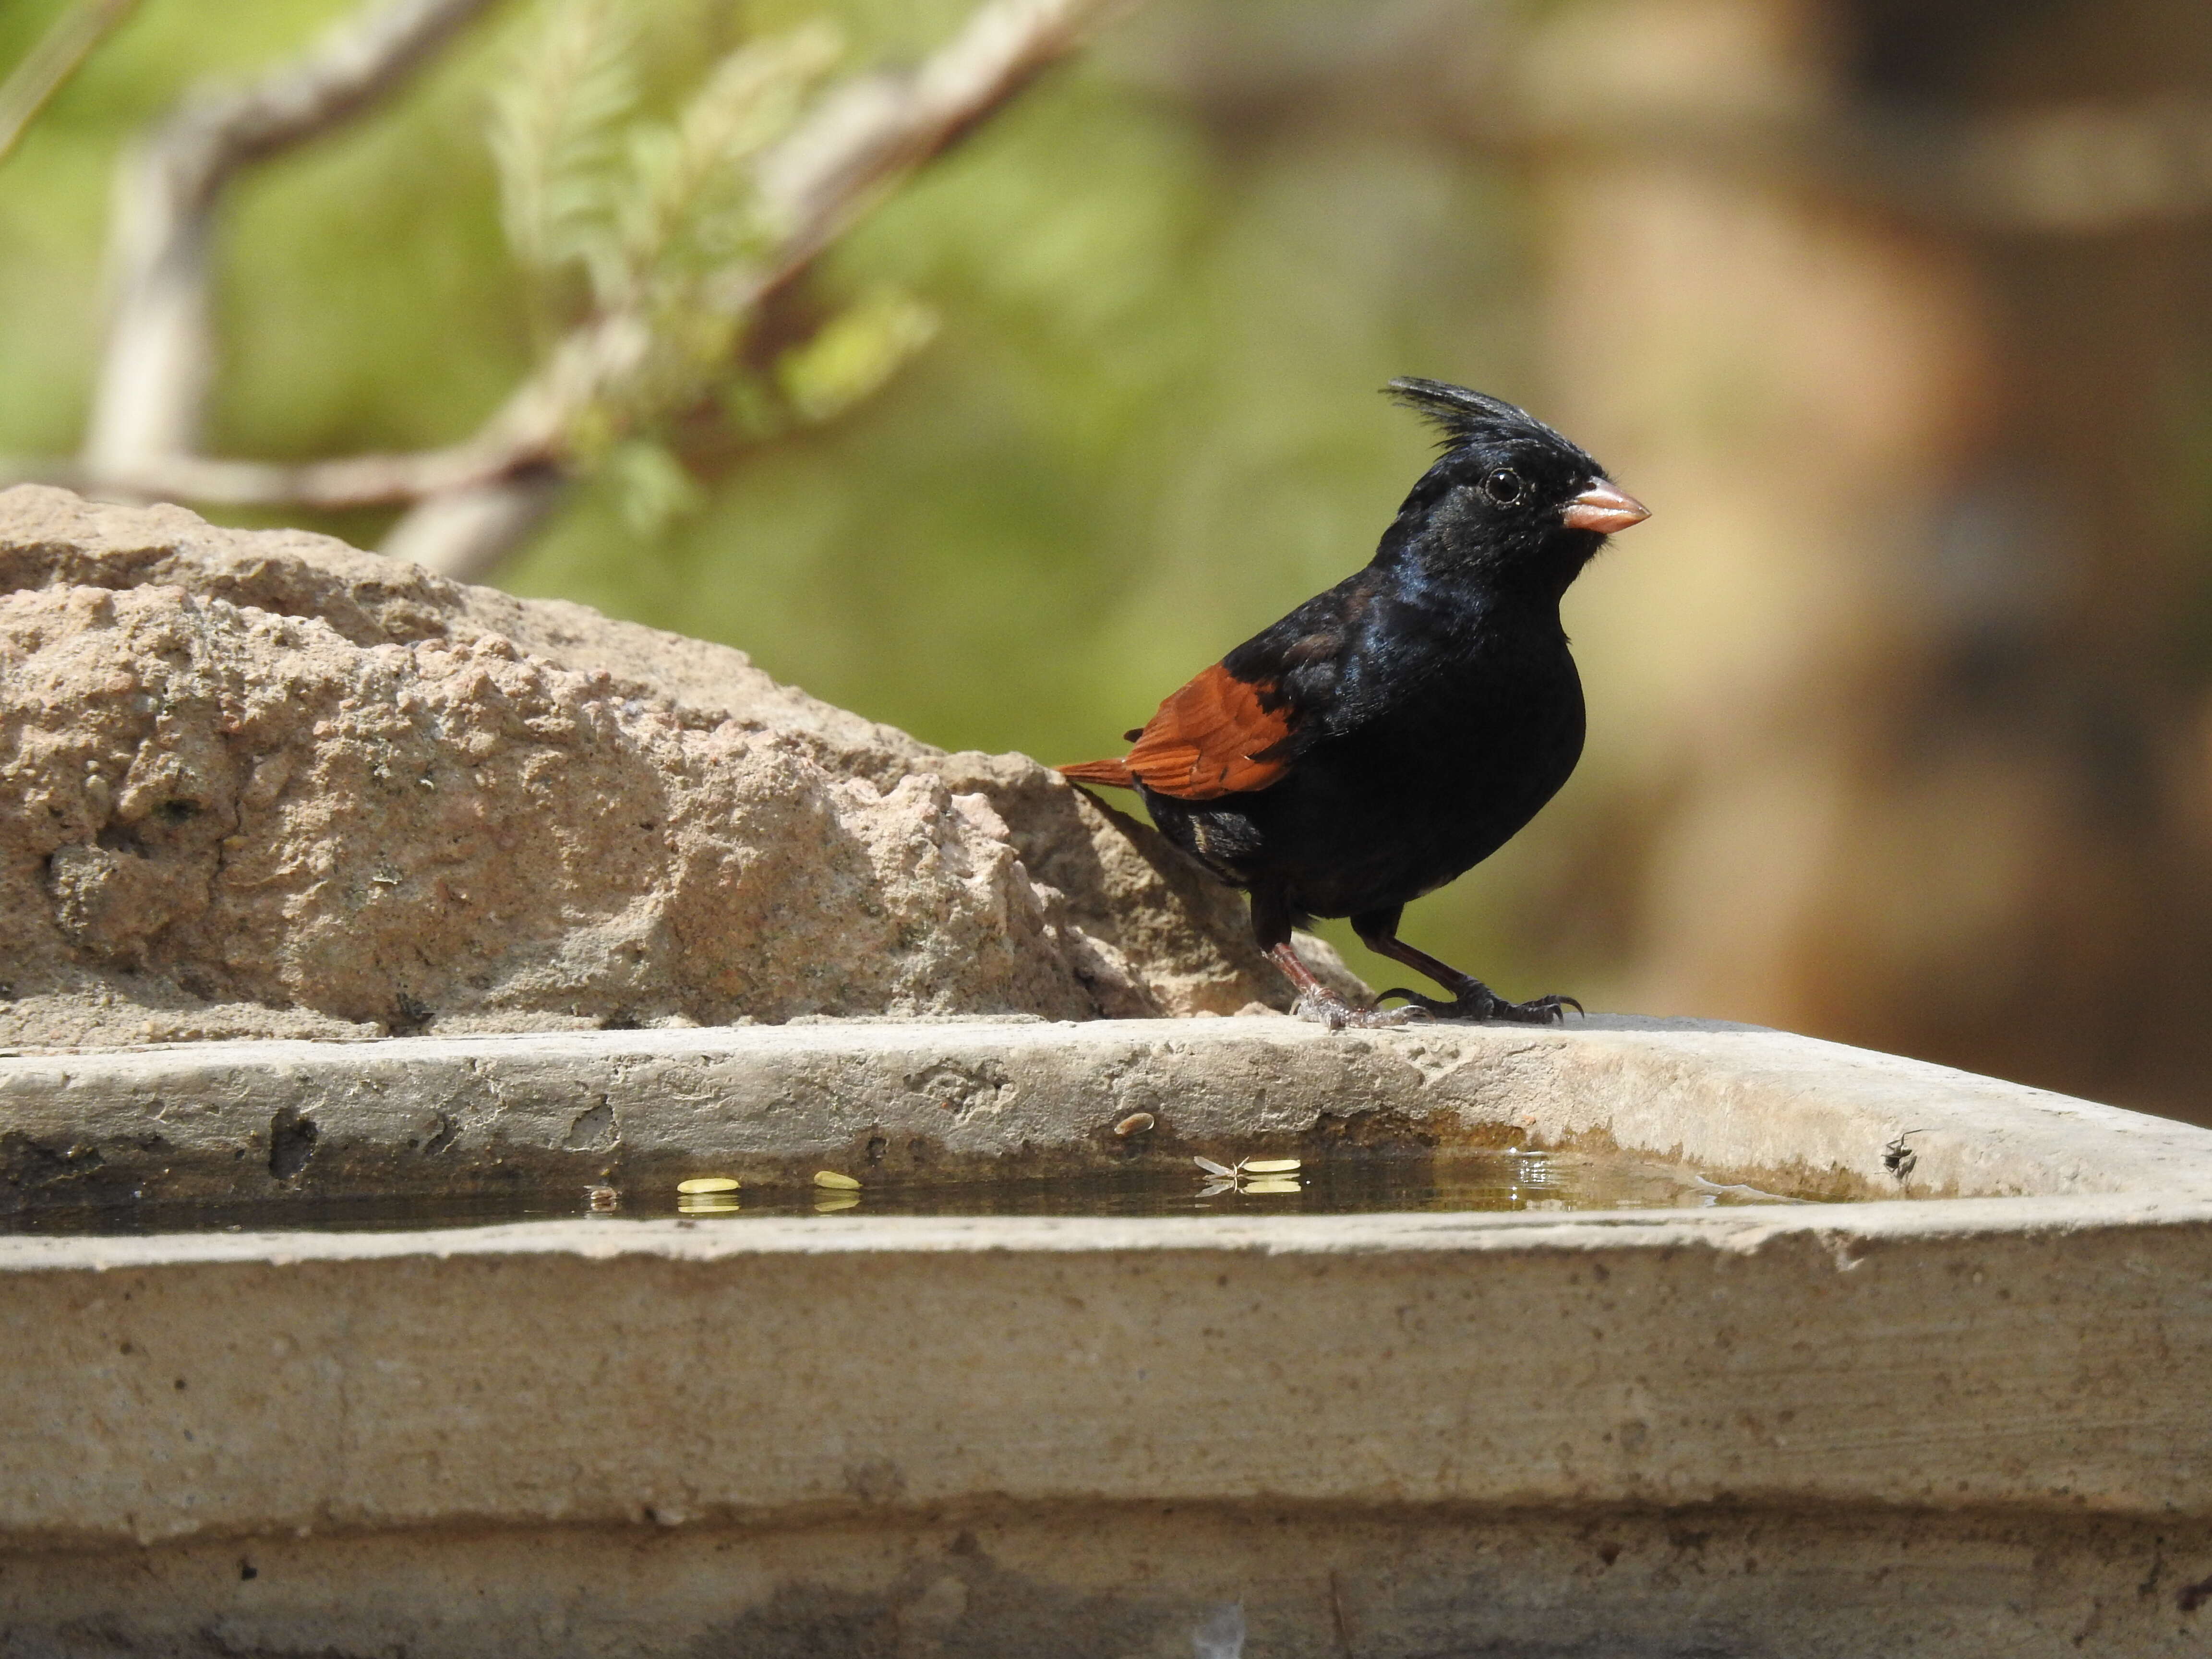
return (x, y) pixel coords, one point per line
(555, 133)
(854, 353)
(652, 486)
(693, 208)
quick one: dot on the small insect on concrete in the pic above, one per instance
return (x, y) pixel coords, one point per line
(1899, 1159)
(1249, 1175)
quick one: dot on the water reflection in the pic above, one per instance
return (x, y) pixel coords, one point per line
(1342, 1181)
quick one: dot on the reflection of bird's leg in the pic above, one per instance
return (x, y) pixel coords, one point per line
(1471, 998)
(1271, 926)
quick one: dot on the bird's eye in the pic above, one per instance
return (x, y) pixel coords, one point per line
(1504, 486)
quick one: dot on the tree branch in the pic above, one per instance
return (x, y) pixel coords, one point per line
(860, 139)
(152, 387)
(875, 128)
(474, 500)
(47, 68)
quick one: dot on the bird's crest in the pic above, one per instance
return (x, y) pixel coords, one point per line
(1462, 416)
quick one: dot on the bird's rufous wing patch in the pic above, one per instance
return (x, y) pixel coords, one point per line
(1207, 739)
(1113, 774)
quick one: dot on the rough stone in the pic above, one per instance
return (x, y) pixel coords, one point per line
(260, 783)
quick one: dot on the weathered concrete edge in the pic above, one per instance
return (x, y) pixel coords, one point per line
(435, 1114)
(1016, 1579)
(1918, 1356)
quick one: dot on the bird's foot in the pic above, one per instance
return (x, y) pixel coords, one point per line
(1477, 1001)
(1327, 1008)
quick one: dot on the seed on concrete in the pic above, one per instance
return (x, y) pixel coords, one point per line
(830, 1178)
(1136, 1123)
(708, 1184)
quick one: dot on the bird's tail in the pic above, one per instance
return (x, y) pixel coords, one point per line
(1113, 774)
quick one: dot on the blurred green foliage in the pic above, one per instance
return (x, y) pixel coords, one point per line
(1147, 311)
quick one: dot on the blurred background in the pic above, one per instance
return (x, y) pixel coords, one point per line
(1898, 313)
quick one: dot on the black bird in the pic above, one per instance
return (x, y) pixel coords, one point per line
(1393, 732)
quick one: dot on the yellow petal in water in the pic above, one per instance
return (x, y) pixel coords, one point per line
(708, 1184)
(1276, 1184)
(706, 1204)
(835, 1183)
(1270, 1165)
(830, 1203)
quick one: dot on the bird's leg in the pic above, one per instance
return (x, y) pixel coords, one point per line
(1271, 926)
(1471, 998)
(1318, 1003)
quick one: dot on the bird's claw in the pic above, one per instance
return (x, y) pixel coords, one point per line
(1479, 1004)
(1550, 1010)
(1327, 1008)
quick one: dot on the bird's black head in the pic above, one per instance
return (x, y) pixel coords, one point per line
(1510, 502)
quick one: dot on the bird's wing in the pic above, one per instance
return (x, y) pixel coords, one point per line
(1113, 774)
(1214, 737)
(1239, 726)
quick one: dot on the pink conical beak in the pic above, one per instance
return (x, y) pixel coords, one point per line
(1604, 509)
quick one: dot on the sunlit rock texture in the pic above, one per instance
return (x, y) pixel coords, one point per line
(262, 783)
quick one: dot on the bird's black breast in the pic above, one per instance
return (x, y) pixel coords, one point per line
(1461, 739)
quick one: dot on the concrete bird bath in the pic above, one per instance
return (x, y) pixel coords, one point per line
(1967, 1413)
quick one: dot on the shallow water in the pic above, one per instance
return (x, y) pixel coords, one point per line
(1350, 1182)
